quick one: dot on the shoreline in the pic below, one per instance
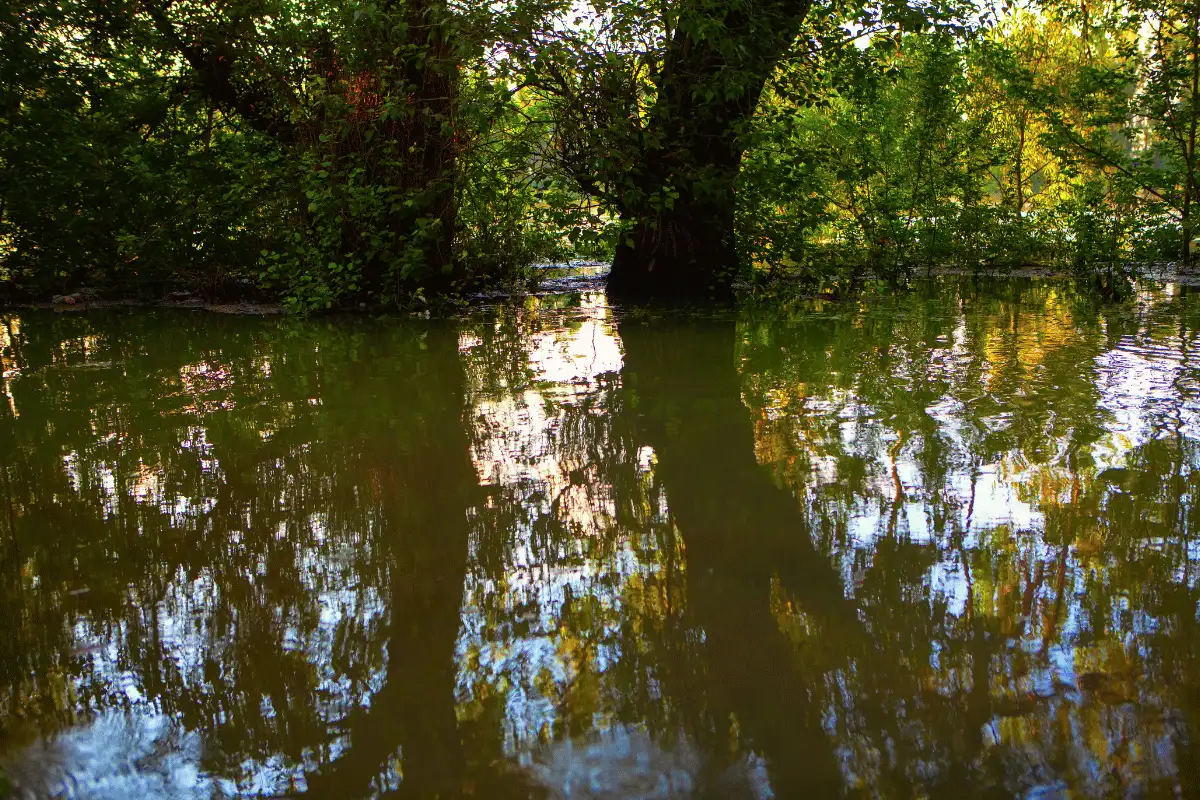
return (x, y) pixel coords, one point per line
(233, 308)
(561, 279)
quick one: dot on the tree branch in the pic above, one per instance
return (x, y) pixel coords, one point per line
(214, 74)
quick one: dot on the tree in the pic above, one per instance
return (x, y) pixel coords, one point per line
(314, 151)
(654, 104)
(1131, 111)
(1169, 101)
(905, 161)
(111, 172)
(368, 111)
(1029, 176)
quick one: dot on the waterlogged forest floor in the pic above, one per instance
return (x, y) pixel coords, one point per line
(75, 303)
(1164, 272)
(574, 277)
(545, 279)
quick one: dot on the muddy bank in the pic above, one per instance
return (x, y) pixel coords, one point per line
(1162, 272)
(578, 278)
(544, 279)
(246, 308)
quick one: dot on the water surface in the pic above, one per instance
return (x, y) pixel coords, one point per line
(931, 543)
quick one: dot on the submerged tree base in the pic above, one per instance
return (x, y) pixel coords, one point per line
(675, 260)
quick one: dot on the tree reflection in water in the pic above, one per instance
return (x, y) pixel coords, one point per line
(935, 543)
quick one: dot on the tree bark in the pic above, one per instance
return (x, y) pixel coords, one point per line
(434, 76)
(1190, 156)
(680, 199)
(689, 254)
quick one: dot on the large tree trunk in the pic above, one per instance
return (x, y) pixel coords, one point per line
(433, 74)
(681, 209)
(688, 254)
(422, 82)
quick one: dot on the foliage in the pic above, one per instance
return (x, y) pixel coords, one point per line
(515, 208)
(384, 152)
(313, 155)
(1038, 140)
(107, 177)
(894, 161)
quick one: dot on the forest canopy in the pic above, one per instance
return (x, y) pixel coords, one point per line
(387, 152)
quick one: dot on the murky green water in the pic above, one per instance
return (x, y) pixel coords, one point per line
(934, 543)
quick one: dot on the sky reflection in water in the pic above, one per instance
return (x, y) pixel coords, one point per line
(928, 543)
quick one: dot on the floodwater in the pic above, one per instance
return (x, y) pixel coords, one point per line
(926, 544)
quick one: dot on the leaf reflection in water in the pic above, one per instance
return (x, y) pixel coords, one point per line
(928, 543)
